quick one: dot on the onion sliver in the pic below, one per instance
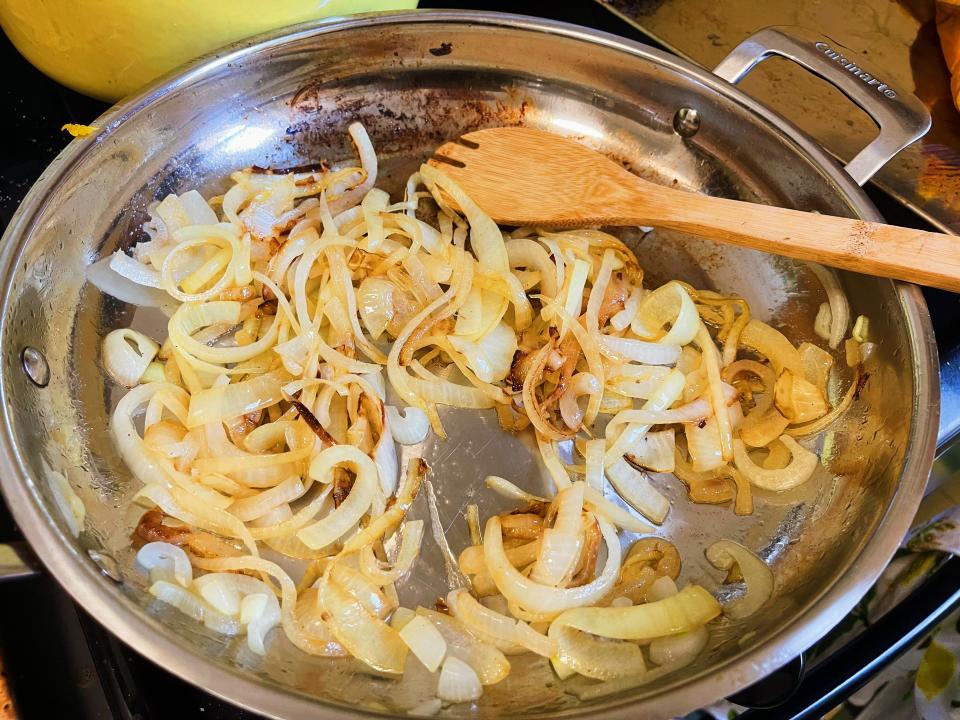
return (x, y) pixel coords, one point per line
(614, 514)
(689, 609)
(487, 661)
(230, 401)
(773, 345)
(724, 554)
(338, 522)
(595, 657)
(802, 465)
(458, 682)
(634, 487)
(668, 303)
(495, 627)
(166, 557)
(365, 636)
(123, 363)
(839, 307)
(411, 536)
(681, 648)
(508, 490)
(194, 606)
(409, 428)
(639, 351)
(539, 598)
(639, 422)
(560, 545)
(425, 642)
(250, 508)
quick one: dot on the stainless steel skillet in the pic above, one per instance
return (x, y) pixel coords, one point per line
(416, 80)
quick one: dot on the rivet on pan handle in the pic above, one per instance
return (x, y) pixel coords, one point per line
(902, 118)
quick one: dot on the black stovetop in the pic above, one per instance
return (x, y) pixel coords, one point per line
(58, 661)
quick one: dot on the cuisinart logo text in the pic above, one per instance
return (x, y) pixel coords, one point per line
(852, 68)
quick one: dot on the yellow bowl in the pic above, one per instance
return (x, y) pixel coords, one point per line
(110, 48)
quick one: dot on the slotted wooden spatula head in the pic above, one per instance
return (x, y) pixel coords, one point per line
(522, 176)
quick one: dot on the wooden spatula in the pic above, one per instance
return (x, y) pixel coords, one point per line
(522, 176)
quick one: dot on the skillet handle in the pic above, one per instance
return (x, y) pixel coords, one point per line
(17, 561)
(902, 118)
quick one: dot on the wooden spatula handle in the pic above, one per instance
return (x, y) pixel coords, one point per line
(858, 245)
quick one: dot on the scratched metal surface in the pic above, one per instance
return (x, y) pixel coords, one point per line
(897, 38)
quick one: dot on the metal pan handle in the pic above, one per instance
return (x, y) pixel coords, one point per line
(17, 561)
(902, 118)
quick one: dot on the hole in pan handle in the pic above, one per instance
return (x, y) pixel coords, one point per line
(901, 117)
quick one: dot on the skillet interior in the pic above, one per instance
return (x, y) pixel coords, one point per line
(287, 103)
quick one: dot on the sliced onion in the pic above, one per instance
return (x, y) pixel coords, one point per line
(682, 648)
(401, 616)
(689, 609)
(539, 598)
(621, 320)
(236, 399)
(496, 628)
(428, 708)
(508, 490)
(490, 358)
(425, 642)
(409, 428)
(126, 290)
(255, 506)
(634, 487)
(225, 590)
(639, 351)
(385, 457)
(582, 383)
(593, 462)
(596, 657)
(608, 264)
(368, 161)
(135, 271)
(168, 559)
(669, 303)
(717, 393)
(124, 364)
(487, 662)
(798, 399)
(816, 365)
(666, 394)
(526, 253)
(724, 554)
(193, 606)
(574, 298)
(67, 501)
(261, 613)
(773, 345)
(638, 381)
(338, 522)
(703, 445)
(365, 636)
(458, 682)
(802, 466)
(411, 536)
(839, 307)
(560, 545)
(655, 451)
(614, 514)
(486, 240)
